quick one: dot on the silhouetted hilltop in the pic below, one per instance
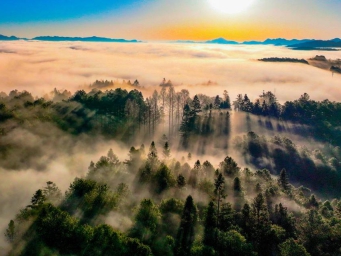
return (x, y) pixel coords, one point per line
(9, 38)
(83, 39)
(221, 41)
(276, 59)
(277, 41)
(316, 44)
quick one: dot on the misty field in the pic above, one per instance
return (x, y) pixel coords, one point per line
(137, 128)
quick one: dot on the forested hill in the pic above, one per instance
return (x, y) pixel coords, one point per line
(232, 211)
(272, 188)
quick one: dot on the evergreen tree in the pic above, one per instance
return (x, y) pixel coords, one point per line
(217, 102)
(219, 191)
(261, 233)
(196, 105)
(237, 187)
(10, 232)
(185, 236)
(166, 150)
(181, 181)
(187, 125)
(210, 225)
(283, 180)
(229, 167)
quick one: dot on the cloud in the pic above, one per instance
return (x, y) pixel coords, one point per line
(41, 66)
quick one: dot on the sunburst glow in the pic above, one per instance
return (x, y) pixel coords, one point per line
(231, 6)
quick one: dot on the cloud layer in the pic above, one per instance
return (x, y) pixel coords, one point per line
(41, 66)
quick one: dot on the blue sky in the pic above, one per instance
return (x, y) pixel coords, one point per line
(171, 19)
(21, 11)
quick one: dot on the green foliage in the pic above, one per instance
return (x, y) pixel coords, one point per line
(146, 222)
(229, 167)
(91, 197)
(10, 231)
(291, 248)
(164, 179)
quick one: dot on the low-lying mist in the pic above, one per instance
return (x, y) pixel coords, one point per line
(41, 66)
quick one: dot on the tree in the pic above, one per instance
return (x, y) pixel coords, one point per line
(196, 106)
(166, 150)
(185, 236)
(217, 102)
(229, 167)
(10, 232)
(261, 233)
(152, 155)
(219, 191)
(52, 193)
(187, 125)
(292, 248)
(210, 225)
(313, 232)
(38, 199)
(283, 180)
(285, 220)
(181, 181)
(237, 187)
(163, 179)
(146, 221)
(232, 243)
(226, 103)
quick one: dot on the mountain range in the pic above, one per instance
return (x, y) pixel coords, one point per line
(72, 39)
(297, 44)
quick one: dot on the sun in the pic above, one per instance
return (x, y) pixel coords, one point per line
(231, 6)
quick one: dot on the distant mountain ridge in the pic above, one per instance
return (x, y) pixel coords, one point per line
(313, 43)
(304, 44)
(83, 39)
(72, 39)
(9, 38)
(277, 41)
(316, 44)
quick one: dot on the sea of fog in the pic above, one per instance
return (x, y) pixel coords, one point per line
(41, 66)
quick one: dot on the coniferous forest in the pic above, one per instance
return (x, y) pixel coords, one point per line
(202, 175)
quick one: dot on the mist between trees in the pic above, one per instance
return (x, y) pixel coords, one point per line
(186, 175)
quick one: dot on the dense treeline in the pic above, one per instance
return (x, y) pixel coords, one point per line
(201, 125)
(233, 211)
(323, 118)
(276, 59)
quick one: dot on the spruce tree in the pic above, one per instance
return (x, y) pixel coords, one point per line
(185, 236)
(166, 150)
(210, 225)
(283, 180)
(219, 191)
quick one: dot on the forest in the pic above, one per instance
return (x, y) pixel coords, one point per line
(203, 175)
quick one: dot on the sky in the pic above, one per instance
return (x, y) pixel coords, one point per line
(171, 20)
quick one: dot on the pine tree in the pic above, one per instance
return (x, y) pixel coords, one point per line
(210, 225)
(185, 236)
(237, 187)
(181, 181)
(196, 105)
(152, 151)
(219, 191)
(166, 150)
(10, 232)
(187, 125)
(283, 180)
